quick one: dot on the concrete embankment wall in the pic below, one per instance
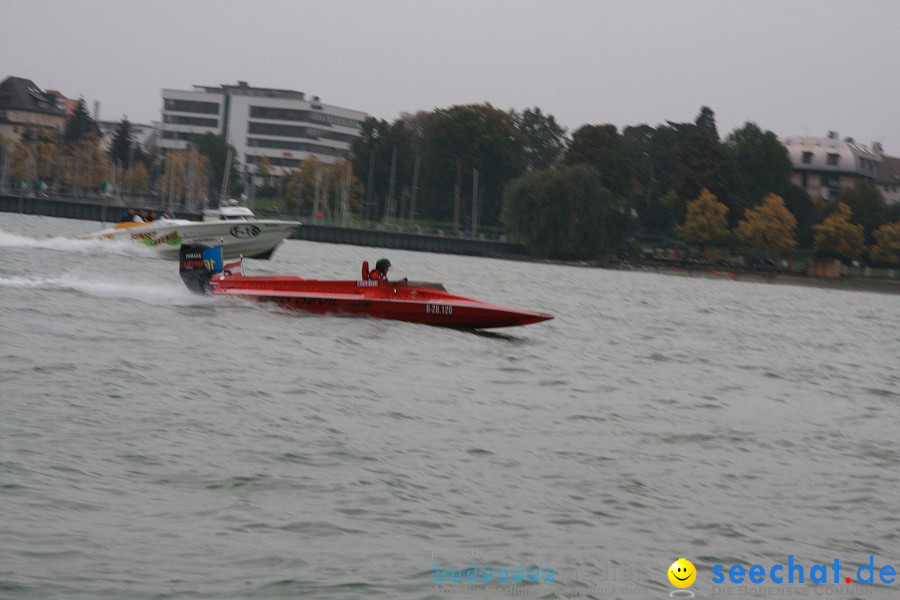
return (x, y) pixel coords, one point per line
(106, 213)
(67, 209)
(407, 241)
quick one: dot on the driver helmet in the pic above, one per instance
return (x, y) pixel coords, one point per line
(383, 265)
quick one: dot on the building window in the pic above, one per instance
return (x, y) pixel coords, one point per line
(192, 106)
(830, 180)
(292, 131)
(286, 145)
(196, 121)
(834, 159)
(277, 114)
(286, 114)
(807, 158)
(178, 135)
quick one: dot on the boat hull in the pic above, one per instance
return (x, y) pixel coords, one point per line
(251, 239)
(414, 303)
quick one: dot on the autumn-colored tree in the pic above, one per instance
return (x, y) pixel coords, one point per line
(706, 221)
(300, 186)
(887, 244)
(86, 166)
(264, 167)
(137, 179)
(702, 161)
(185, 175)
(837, 237)
(341, 178)
(769, 227)
(35, 159)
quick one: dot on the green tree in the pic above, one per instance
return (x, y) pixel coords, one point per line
(762, 161)
(887, 244)
(563, 213)
(215, 149)
(837, 237)
(702, 161)
(806, 212)
(653, 157)
(706, 221)
(382, 149)
(457, 142)
(602, 147)
(545, 140)
(867, 205)
(769, 227)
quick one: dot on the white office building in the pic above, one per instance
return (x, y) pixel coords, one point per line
(282, 125)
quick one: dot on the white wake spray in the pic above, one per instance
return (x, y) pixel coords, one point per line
(75, 246)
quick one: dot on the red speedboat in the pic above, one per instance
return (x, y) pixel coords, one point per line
(202, 270)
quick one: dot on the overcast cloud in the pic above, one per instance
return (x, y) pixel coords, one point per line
(793, 66)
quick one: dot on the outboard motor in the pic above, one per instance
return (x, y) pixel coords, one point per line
(198, 264)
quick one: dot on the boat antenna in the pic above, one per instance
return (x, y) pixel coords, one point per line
(225, 177)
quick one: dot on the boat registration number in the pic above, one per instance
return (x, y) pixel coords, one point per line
(438, 309)
(245, 231)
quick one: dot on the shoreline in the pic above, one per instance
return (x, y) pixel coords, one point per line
(853, 283)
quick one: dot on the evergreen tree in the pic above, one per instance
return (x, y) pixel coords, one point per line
(80, 125)
(122, 144)
(706, 121)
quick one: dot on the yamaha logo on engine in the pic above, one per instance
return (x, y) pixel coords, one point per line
(245, 231)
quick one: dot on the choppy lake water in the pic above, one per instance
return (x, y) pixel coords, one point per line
(157, 444)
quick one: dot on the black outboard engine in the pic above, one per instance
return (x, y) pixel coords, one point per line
(198, 264)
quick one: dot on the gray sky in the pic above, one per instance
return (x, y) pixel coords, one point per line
(792, 66)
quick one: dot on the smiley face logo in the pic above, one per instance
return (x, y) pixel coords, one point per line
(682, 573)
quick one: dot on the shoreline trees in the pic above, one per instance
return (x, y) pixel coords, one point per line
(453, 167)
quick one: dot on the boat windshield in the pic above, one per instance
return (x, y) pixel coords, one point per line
(229, 213)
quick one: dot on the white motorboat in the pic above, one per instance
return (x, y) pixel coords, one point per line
(233, 226)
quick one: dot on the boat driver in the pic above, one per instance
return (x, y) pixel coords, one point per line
(379, 273)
